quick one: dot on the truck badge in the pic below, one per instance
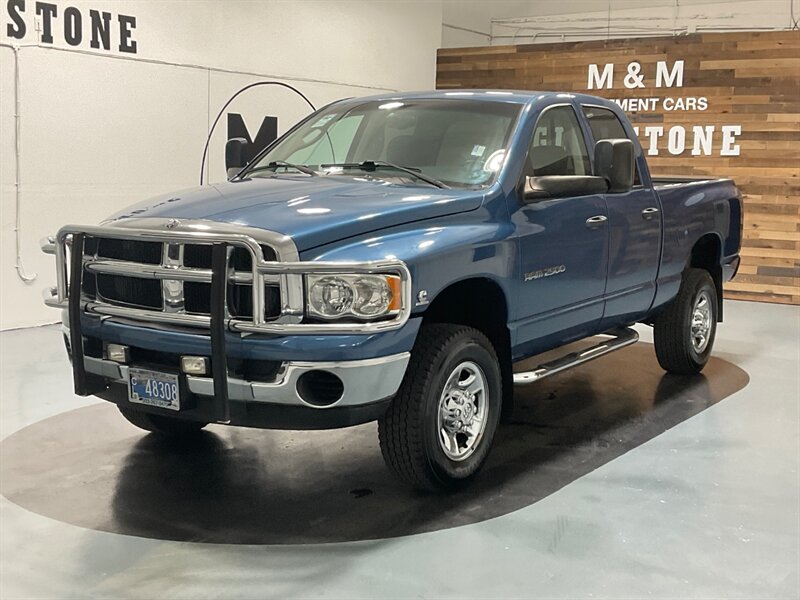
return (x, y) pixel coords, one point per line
(547, 272)
(172, 223)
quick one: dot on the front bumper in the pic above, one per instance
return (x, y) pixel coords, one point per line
(730, 266)
(262, 415)
(367, 384)
(363, 381)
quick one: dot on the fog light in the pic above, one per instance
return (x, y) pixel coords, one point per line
(118, 353)
(194, 365)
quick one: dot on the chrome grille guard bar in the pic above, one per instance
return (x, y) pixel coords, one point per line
(287, 273)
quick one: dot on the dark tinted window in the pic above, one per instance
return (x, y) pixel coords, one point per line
(557, 147)
(604, 124)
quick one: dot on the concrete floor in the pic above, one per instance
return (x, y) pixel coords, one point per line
(706, 505)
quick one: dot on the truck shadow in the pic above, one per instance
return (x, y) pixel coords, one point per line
(241, 486)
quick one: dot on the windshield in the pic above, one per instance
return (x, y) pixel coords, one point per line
(458, 143)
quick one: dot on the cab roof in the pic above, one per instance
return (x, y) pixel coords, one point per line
(508, 96)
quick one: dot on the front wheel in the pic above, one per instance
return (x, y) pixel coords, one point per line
(684, 333)
(438, 429)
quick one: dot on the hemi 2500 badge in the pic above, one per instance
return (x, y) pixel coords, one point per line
(546, 272)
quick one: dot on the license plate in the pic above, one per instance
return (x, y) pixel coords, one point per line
(154, 388)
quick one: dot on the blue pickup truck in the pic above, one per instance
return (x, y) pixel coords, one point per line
(390, 258)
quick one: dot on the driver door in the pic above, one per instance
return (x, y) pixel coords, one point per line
(563, 242)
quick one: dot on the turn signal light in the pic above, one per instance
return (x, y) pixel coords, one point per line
(397, 295)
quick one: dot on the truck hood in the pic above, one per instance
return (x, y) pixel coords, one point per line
(311, 210)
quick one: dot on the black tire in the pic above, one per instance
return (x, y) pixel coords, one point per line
(409, 431)
(672, 332)
(160, 424)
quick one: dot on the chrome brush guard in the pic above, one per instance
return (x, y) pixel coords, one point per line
(287, 272)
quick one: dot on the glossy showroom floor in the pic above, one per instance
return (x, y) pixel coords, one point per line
(611, 480)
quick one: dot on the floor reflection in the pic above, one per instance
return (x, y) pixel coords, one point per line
(88, 467)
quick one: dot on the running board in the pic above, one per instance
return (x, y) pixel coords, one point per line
(619, 339)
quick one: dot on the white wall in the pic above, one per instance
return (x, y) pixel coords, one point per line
(100, 130)
(468, 22)
(534, 21)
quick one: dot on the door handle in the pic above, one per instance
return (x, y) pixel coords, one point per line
(649, 213)
(595, 222)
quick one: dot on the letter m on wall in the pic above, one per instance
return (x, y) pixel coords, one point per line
(666, 78)
(267, 133)
(596, 80)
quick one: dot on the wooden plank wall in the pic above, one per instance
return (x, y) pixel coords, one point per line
(751, 79)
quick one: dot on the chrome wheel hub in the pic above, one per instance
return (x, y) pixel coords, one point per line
(701, 322)
(462, 413)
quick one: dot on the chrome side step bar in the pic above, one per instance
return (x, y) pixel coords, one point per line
(619, 338)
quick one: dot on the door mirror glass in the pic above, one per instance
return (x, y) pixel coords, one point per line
(235, 153)
(614, 162)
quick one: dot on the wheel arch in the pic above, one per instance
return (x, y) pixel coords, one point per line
(706, 254)
(478, 302)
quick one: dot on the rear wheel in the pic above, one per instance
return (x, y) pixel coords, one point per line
(437, 431)
(160, 424)
(684, 332)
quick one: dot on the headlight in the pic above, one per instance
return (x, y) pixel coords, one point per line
(360, 296)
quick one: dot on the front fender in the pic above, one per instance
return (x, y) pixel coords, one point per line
(438, 254)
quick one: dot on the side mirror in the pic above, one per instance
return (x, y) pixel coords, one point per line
(614, 161)
(235, 153)
(561, 186)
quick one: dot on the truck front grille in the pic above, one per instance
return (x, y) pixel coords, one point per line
(181, 295)
(199, 257)
(132, 250)
(126, 291)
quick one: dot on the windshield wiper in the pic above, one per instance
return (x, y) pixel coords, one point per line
(275, 164)
(373, 165)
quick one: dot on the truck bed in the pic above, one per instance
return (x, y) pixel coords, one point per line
(668, 181)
